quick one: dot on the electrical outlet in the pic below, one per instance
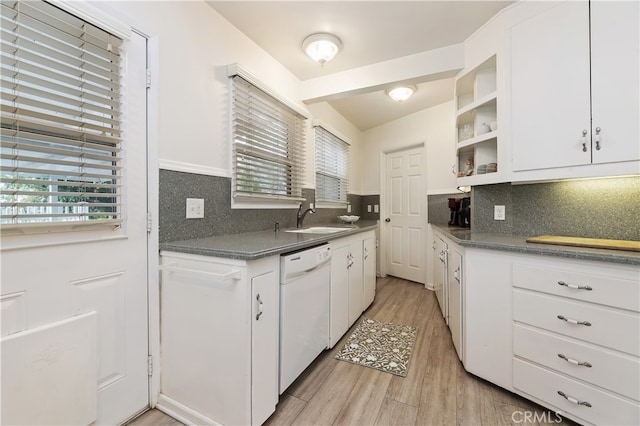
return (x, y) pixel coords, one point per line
(195, 208)
(376, 208)
(348, 208)
(499, 213)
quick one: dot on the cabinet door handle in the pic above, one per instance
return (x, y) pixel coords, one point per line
(597, 138)
(260, 306)
(366, 253)
(574, 286)
(574, 400)
(456, 274)
(573, 321)
(583, 141)
(575, 362)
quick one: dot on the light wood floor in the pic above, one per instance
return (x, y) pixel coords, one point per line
(436, 391)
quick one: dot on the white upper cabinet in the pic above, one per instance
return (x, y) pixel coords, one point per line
(615, 74)
(574, 90)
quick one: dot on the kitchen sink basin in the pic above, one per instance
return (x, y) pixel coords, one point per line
(318, 230)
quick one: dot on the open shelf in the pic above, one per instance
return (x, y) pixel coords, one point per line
(476, 109)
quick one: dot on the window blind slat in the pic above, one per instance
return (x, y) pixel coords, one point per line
(332, 166)
(268, 144)
(60, 116)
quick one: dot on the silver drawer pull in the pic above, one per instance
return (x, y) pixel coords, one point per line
(573, 321)
(575, 362)
(572, 399)
(574, 286)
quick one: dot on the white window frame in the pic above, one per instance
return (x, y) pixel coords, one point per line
(257, 200)
(320, 169)
(21, 150)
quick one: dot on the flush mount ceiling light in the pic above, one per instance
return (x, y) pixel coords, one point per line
(321, 47)
(401, 94)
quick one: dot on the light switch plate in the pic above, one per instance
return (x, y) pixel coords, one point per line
(376, 209)
(348, 208)
(368, 208)
(195, 208)
(499, 213)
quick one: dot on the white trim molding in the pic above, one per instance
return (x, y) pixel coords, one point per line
(179, 166)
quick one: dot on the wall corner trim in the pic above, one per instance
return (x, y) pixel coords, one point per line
(179, 166)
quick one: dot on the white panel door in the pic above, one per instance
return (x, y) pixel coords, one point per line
(48, 278)
(404, 221)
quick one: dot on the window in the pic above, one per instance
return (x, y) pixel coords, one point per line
(332, 168)
(60, 119)
(268, 146)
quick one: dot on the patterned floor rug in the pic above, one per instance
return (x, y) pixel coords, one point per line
(384, 346)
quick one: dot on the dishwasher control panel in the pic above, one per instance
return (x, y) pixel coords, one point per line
(300, 262)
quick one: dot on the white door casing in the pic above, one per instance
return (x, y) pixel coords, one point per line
(48, 278)
(403, 221)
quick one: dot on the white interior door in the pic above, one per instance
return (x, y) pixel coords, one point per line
(50, 278)
(404, 221)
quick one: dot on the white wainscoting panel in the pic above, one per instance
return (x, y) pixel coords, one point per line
(49, 374)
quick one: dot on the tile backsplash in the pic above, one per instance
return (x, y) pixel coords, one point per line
(220, 219)
(593, 208)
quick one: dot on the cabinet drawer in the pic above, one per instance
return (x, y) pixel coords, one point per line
(607, 369)
(605, 290)
(607, 327)
(543, 384)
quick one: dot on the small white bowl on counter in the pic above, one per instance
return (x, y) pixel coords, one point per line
(349, 218)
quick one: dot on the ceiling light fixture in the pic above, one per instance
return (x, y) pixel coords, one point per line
(401, 94)
(321, 47)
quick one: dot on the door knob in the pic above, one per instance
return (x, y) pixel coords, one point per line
(387, 220)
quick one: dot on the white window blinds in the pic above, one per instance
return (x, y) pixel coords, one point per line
(332, 167)
(60, 118)
(268, 145)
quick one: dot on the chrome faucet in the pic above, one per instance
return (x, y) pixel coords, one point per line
(301, 215)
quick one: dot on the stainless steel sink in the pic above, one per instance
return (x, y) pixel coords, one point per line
(318, 230)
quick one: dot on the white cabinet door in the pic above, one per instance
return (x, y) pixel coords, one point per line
(454, 279)
(550, 99)
(339, 315)
(440, 277)
(356, 291)
(264, 346)
(615, 72)
(369, 258)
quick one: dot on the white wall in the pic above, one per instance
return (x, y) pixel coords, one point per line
(434, 127)
(193, 46)
(344, 129)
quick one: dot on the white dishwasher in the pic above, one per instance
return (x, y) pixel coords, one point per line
(304, 310)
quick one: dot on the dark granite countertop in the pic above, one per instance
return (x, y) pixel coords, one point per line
(518, 244)
(255, 245)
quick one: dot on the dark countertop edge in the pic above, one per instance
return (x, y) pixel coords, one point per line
(315, 240)
(518, 244)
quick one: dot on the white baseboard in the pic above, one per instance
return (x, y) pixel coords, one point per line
(183, 413)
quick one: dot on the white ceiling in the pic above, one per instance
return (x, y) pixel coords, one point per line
(371, 32)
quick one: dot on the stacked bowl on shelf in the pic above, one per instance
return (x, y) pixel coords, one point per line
(487, 168)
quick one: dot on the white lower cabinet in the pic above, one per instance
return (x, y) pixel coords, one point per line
(448, 263)
(454, 282)
(219, 328)
(349, 268)
(576, 338)
(369, 269)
